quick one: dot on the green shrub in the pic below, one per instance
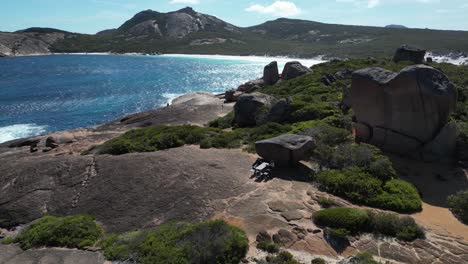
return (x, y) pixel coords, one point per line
(326, 202)
(283, 257)
(458, 204)
(398, 196)
(318, 261)
(222, 122)
(339, 233)
(207, 242)
(8, 240)
(76, 231)
(360, 187)
(346, 221)
(404, 228)
(268, 246)
(354, 220)
(364, 258)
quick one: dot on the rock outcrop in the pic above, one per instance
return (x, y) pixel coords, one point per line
(294, 69)
(29, 42)
(251, 86)
(285, 150)
(407, 53)
(253, 109)
(404, 112)
(270, 73)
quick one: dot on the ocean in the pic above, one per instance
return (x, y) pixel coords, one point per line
(40, 94)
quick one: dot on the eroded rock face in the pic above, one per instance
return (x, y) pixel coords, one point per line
(253, 109)
(294, 69)
(157, 187)
(285, 150)
(149, 27)
(270, 73)
(402, 112)
(408, 53)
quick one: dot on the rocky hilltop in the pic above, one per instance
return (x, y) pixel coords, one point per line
(191, 161)
(32, 41)
(188, 31)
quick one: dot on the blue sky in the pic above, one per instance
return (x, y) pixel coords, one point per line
(90, 16)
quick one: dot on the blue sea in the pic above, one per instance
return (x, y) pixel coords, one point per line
(40, 94)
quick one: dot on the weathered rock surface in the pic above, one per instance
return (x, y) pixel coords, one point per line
(146, 28)
(294, 69)
(12, 254)
(253, 109)
(157, 187)
(408, 53)
(270, 73)
(285, 150)
(402, 112)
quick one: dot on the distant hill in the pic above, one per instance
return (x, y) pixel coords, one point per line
(395, 26)
(188, 31)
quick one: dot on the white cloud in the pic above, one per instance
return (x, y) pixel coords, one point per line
(278, 8)
(191, 2)
(375, 3)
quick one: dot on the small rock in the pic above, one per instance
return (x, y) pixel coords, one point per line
(284, 238)
(46, 150)
(408, 53)
(294, 69)
(292, 215)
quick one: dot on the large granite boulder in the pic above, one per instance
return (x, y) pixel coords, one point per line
(270, 73)
(285, 150)
(294, 69)
(253, 109)
(408, 53)
(402, 112)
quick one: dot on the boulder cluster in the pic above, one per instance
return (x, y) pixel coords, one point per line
(271, 76)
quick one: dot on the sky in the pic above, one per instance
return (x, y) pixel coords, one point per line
(91, 16)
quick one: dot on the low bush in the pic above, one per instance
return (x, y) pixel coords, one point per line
(359, 186)
(268, 246)
(363, 258)
(283, 257)
(387, 224)
(345, 221)
(354, 220)
(318, 261)
(326, 202)
(206, 242)
(76, 231)
(458, 204)
(398, 196)
(222, 122)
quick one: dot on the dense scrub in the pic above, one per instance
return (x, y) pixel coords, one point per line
(458, 204)
(165, 137)
(206, 242)
(283, 257)
(72, 231)
(347, 221)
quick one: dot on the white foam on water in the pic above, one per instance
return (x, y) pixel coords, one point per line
(259, 59)
(8, 133)
(460, 60)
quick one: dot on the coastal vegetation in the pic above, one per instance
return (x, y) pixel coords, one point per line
(458, 203)
(353, 221)
(212, 241)
(76, 231)
(206, 242)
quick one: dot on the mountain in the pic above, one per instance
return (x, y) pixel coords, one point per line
(191, 32)
(29, 41)
(395, 26)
